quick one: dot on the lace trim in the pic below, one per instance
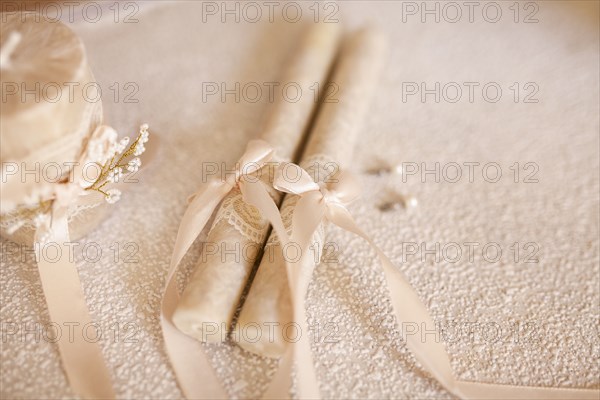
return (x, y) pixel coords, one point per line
(24, 218)
(248, 221)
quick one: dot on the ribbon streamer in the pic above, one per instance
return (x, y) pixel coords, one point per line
(82, 360)
(328, 201)
(194, 372)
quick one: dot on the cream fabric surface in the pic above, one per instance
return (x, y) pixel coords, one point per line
(170, 52)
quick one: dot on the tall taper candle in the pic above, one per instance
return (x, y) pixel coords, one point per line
(330, 145)
(209, 301)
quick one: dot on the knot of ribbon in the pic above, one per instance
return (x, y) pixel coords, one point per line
(317, 200)
(65, 194)
(257, 155)
(204, 201)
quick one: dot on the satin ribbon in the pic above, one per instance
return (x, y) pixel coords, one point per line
(82, 359)
(319, 202)
(194, 372)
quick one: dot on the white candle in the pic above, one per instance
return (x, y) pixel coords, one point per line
(50, 106)
(330, 145)
(208, 303)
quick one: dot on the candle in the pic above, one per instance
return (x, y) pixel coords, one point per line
(50, 107)
(267, 307)
(209, 301)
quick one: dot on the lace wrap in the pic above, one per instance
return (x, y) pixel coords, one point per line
(245, 218)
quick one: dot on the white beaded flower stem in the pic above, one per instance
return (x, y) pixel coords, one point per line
(110, 172)
(113, 168)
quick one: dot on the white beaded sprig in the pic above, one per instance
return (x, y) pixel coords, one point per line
(113, 159)
(117, 165)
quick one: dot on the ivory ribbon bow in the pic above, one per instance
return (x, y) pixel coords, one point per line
(82, 359)
(328, 202)
(193, 369)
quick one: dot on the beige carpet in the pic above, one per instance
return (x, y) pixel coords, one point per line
(506, 321)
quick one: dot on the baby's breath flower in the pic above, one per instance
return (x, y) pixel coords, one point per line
(122, 145)
(112, 196)
(139, 149)
(144, 135)
(113, 169)
(115, 174)
(134, 165)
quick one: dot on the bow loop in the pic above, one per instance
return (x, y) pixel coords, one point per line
(344, 189)
(318, 201)
(257, 154)
(291, 178)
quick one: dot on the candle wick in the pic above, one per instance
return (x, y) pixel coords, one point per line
(8, 49)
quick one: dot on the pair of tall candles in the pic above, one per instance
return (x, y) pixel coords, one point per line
(209, 301)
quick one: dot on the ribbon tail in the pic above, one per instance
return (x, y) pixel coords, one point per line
(255, 194)
(299, 352)
(432, 355)
(307, 382)
(82, 359)
(195, 218)
(192, 368)
(308, 214)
